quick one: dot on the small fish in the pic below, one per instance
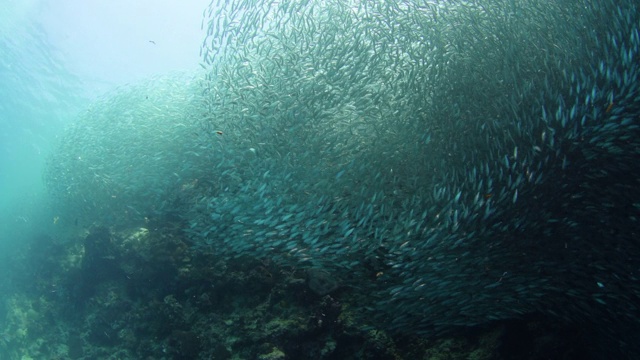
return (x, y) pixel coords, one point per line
(153, 42)
(609, 107)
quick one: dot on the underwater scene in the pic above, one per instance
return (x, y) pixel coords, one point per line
(331, 179)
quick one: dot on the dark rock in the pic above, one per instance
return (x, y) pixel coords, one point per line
(321, 282)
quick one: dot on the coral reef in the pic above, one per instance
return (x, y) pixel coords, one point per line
(162, 299)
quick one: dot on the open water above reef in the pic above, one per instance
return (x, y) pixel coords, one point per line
(335, 180)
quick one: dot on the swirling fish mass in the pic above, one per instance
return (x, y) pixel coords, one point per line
(454, 162)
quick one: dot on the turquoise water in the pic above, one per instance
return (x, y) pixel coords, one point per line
(39, 95)
(320, 179)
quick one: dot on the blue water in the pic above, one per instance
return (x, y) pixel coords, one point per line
(57, 56)
(38, 95)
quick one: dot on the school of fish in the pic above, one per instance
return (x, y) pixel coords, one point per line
(456, 162)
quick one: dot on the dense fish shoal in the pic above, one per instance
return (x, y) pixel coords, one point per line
(458, 162)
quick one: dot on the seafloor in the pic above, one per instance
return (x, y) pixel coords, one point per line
(145, 294)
